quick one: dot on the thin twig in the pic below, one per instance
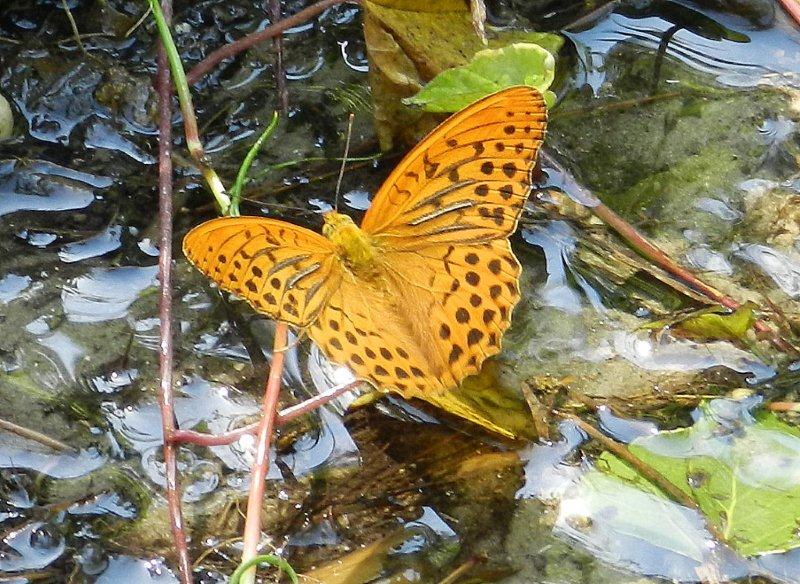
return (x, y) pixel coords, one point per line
(612, 106)
(255, 499)
(74, 25)
(344, 162)
(165, 396)
(35, 436)
(248, 41)
(652, 253)
(281, 418)
(138, 23)
(462, 570)
(280, 73)
(649, 473)
(636, 240)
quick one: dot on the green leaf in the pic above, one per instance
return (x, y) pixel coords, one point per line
(711, 325)
(714, 323)
(547, 40)
(746, 479)
(489, 71)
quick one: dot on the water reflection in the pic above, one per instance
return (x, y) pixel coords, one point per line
(43, 186)
(676, 547)
(671, 354)
(25, 455)
(783, 268)
(105, 294)
(128, 569)
(11, 286)
(104, 242)
(557, 240)
(729, 56)
(31, 547)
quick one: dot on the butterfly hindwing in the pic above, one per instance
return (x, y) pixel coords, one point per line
(282, 270)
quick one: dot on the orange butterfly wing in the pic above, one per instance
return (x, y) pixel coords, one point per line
(282, 270)
(446, 281)
(468, 180)
(443, 218)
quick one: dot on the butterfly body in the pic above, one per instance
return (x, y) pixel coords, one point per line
(419, 295)
(357, 250)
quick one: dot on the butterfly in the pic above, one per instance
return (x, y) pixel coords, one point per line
(419, 295)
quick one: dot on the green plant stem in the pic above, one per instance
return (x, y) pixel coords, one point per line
(241, 177)
(193, 142)
(298, 161)
(275, 561)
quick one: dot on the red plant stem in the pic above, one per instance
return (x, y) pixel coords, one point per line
(650, 252)
(792, 8)
(655, 255)
(281, 418)
(255, 498)
(661, 259)
(165, 353)
(248, 41)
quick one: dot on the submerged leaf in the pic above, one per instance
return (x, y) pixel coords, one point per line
(743, 474)
(361, 565)
(489, 71)
(711, 325)
(408, 43)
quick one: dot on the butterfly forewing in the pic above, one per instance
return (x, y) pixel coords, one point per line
(467, 181)
(282, 270)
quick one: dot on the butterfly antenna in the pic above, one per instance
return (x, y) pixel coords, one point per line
(344, 162)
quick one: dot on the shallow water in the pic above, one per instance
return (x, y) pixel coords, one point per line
(694, 141)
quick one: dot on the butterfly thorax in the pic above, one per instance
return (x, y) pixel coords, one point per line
(354, 246)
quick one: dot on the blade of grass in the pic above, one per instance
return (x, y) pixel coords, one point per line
(241, 177)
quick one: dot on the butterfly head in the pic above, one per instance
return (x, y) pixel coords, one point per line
(355, 247)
